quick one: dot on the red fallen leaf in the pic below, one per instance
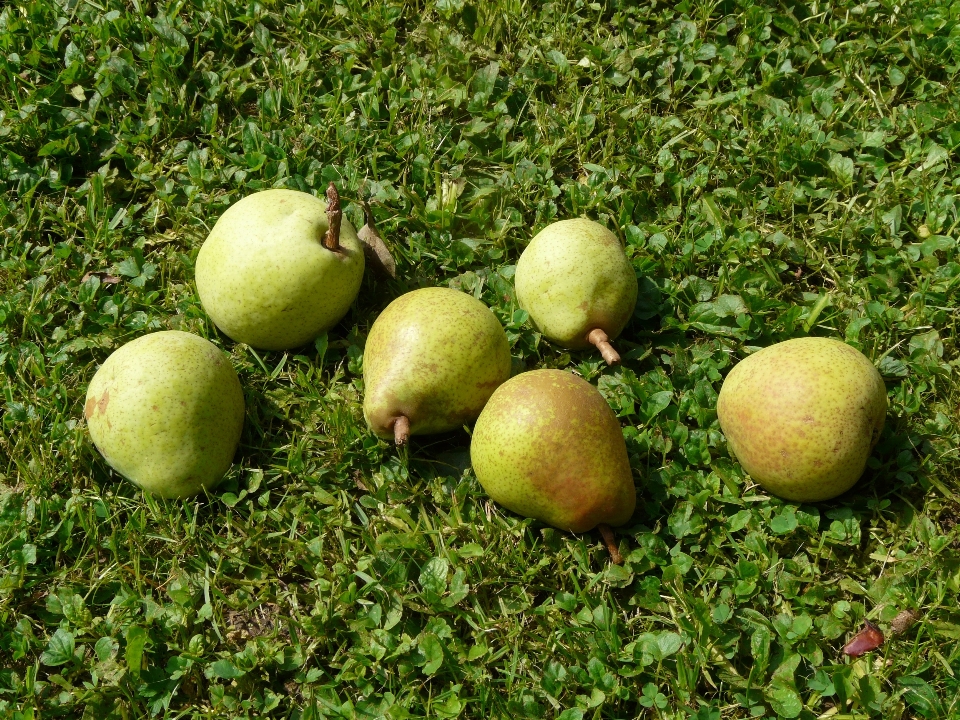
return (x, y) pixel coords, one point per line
(105, 278)
(870, 638)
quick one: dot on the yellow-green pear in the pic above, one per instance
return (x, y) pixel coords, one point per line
(166, 411)
(548, 446)
(431, 361)
(279, 268)
(578, 285)
(802, 416)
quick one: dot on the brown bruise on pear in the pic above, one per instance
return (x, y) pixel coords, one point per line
(548, 446)
(331, 239)
(599, 339)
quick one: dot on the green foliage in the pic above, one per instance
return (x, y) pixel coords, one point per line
(774, 169)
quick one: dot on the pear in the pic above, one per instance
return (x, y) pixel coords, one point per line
(166, 411)
(279, 268)
(578, 286)
(548, 446)
(432, 359)
(802, 416)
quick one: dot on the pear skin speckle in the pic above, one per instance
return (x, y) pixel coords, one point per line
(803, 415)
(264, 276)
(548, 446)
(166, 411)
(434, 355)
(574, 277)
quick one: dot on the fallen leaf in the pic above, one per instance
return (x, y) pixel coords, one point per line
(105, 277)
(374, 249)
(870, 638)
(903, 621)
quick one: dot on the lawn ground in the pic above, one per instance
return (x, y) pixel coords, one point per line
(775, 170)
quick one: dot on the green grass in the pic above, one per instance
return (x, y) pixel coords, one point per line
(775, 170)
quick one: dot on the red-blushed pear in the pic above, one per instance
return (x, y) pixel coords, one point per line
(548, 446)
(578, 285)
(431, 360)
(166, 411)
(279, 268)
(802, 416)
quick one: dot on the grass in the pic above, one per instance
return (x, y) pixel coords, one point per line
(775, 170)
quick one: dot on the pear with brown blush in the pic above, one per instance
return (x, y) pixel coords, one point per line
(802, 416)
(548, 446)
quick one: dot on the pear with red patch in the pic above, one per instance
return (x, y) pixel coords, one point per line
(166, 411)
(802, 416)
(548, 446)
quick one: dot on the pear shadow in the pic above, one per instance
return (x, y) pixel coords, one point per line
(891, 489)
(894, 470)
(896, 488)
(446, 455)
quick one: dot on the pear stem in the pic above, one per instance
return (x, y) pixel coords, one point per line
(331, 240)
(401, 430)
(599, 338)
(611, 542)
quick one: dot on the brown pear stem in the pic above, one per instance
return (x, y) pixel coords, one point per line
(611, 542)
(599, 338)
(401, 430)
(331, 240)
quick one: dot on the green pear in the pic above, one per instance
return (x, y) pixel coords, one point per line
(279, 268)
(577, 284)
(432, 359)
(548, 446)
(166, 411)
(802, 416)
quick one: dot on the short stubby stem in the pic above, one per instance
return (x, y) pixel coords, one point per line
(331, 240)
(401, 430)
(599, 338)
(611, 542)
